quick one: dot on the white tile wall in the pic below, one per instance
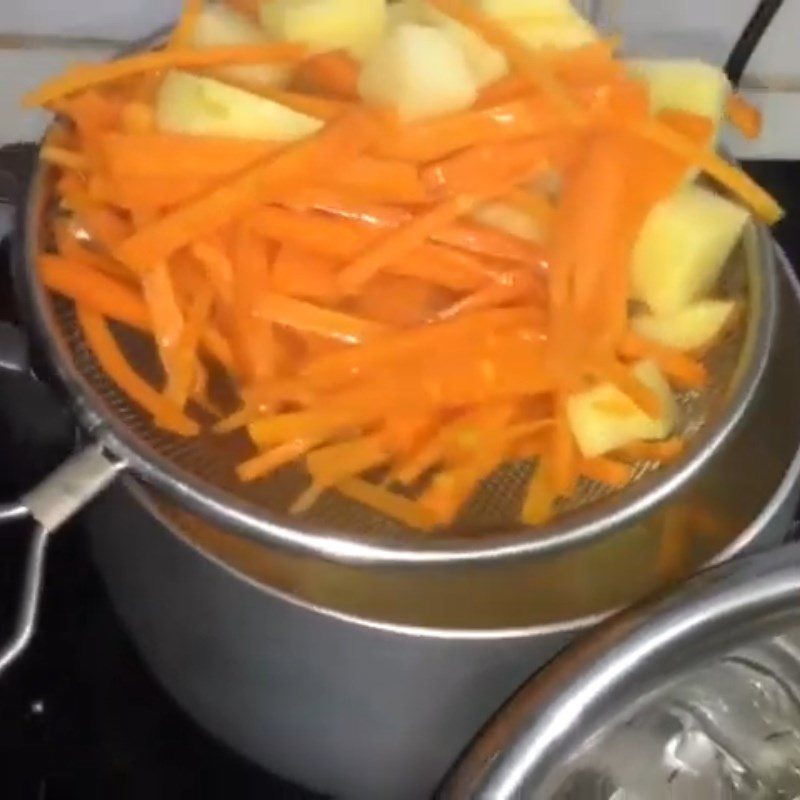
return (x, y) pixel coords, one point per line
(708, 28)
(116, 19)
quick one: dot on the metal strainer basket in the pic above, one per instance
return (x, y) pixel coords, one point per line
(198, 474)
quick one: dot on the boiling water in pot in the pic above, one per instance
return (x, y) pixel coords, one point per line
(728, 731)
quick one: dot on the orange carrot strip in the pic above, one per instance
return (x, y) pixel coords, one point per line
(564, 454)
(119, 370)
(400, 242)
(400, 301)
(729, 176)
(390, 504)
(67, 159)
(254, 336)
(265, 464)
(474, 169)
(384, 180)
(98, 292)
(184, 30)
(138, 118)
(334, 73)
(443, 136)
(162, 155)
(304, 316)
(535, 69)
(87, 76)
(69, 246)
(469, 236)
(250, 8)
(663, 452)
(409, 344)
(318, 156)
(321, 425)
(540, 498)
(165, 312)
(323, 108)
(185, 361)
(607, 471)
(745, 117)
(299, 273)
(330, 465)
(684, 370)
(514, 287)
(699, 129)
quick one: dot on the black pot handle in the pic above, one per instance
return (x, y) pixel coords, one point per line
(66, 490)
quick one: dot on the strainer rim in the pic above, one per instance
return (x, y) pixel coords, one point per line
(222, 508)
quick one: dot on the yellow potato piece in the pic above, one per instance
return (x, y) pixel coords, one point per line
(418, 71)
(684, 85)
(603, 419)
(352, 25)
(201, 106)
(683, 247)
(220, 26)
(692, 328)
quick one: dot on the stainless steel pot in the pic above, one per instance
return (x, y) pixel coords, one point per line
(674, 657)
(369, 682)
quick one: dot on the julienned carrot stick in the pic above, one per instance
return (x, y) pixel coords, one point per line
(299, 273)
(330, 465)
(663, 452)
(249, 8)
(116, 366)
(714, 165)
(537, 71)
(62, 157)
(185, 360)
(681, 368)
(607, 471)
(96, 291)
(89, 75)
(390, 504)
(263, 465)
(162, 155)
(320, 107)
(184, 30)
(744, 116)
(334, 73)
(462, 235)
(304, 316)
(312, 158)
(398, 244)
(165, 313)
(540, 498)
(384, 180)
(563, 471)
(409, 344)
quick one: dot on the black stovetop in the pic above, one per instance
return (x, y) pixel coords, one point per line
(80, 716)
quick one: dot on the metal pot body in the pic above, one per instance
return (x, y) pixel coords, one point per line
(365, 682)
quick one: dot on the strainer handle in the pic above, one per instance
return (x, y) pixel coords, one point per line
(48, 506)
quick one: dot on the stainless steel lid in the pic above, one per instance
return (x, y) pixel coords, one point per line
(661, 693)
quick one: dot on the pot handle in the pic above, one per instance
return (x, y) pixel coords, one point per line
(69, 487)
(48, 506)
